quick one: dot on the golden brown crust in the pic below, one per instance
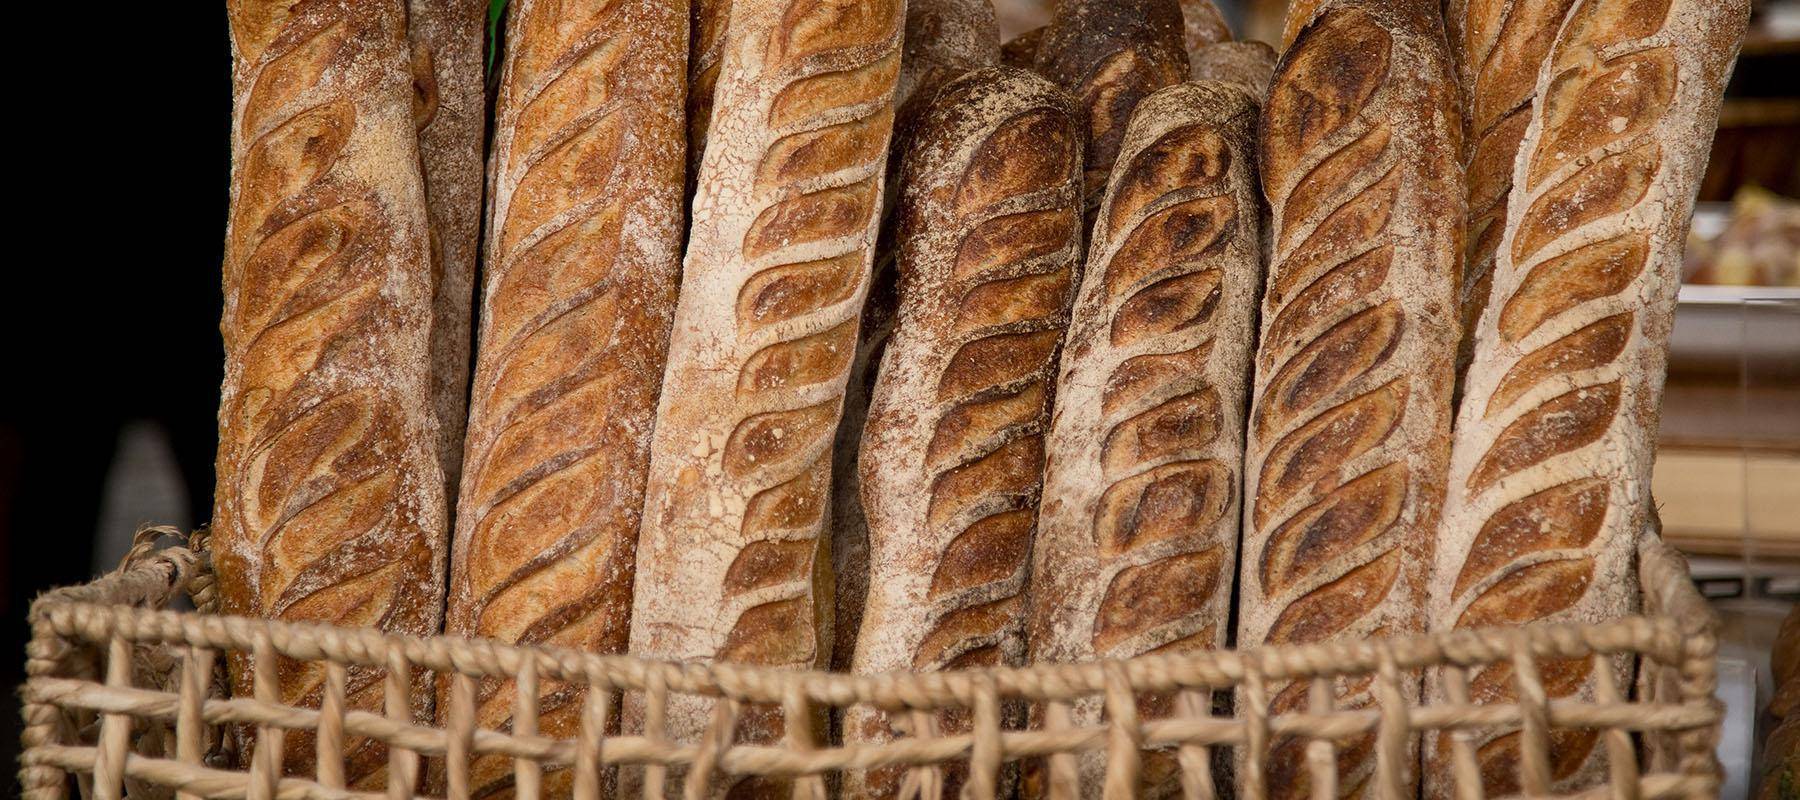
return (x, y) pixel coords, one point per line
(583, 263)
(1137, 536)
(1549, 483)
(1499, 46)
(988, 245)
(1246, 65)
(450, 110)
(944, 40)
(330, 498)
(1108, 55)
(1349, 432)
(732, 563)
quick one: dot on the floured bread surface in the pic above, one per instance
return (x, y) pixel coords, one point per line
(1550, 479)
(1348, 437)
(953, 451)
(1246, 65)
(450, 110)
(582, 268)
(1137, 535)
(330, 498)
(732, 562)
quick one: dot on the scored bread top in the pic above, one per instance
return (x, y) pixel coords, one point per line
(1550, 481)
(731, 562)
(1137, 536)
(583, 263)
(330, 497)
(1349, 433)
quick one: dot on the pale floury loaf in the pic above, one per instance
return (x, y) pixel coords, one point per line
(450, 110)
(330, 498)
(583, 259)
(1137, 536)
(1550, 476)
(952, 455)
(1349, 433)
(733, 562)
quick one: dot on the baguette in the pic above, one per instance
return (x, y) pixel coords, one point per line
(1350, 423)
(1246, 65)
(1202, 25)
(1110, 54)
(732, 562)
(989, 241)
(583, 265)
(1550, 478)
(329, 505)
(450, 110)
(1498, 48)
(1021, 50)
(944, 40)
(1137, 536)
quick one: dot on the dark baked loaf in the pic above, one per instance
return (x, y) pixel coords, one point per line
(1137, 535)
(733, 560)
(450, 110)
(1550, 479)
(944, 40)
(1349, 433)
(583, 262)
(1110, 54)
(953, 451)
(1498, 47)
(330, 498)
(1247, 65)
(1202, 25)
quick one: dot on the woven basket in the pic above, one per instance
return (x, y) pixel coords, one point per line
(128, 698)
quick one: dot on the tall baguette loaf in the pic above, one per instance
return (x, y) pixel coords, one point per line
(330, 500)
(1110, 54)
(1498, 46)
(989, 242)
(732, 562)
(583, 264)
(450, 109)
(1137, 536)
(1202, 25)
(1350, 426)
(1246, 65)
(1550, 478)
(944, 40)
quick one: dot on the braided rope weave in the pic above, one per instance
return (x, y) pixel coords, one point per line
(101, 651)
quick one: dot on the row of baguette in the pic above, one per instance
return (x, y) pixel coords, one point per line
(1137, 330)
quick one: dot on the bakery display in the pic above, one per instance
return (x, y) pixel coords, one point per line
(1549, 484)
(582, 265)
(842, 335)
(330, 501)
(1136, 543)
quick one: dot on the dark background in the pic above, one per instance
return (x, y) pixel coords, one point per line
(112, 297)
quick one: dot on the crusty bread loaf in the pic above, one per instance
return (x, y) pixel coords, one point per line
(450, 110)
(1349, 432)
(1550, 477)
(1498, 46)
(1021, 50)
(583, 262)
(1246, 65)
(1201, 25)
(1784, 658)
(1299, 14)
(944, 40)
(1137, 535)
(1110, 54)
(953, 450)
(330, 499)
(732, 563)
